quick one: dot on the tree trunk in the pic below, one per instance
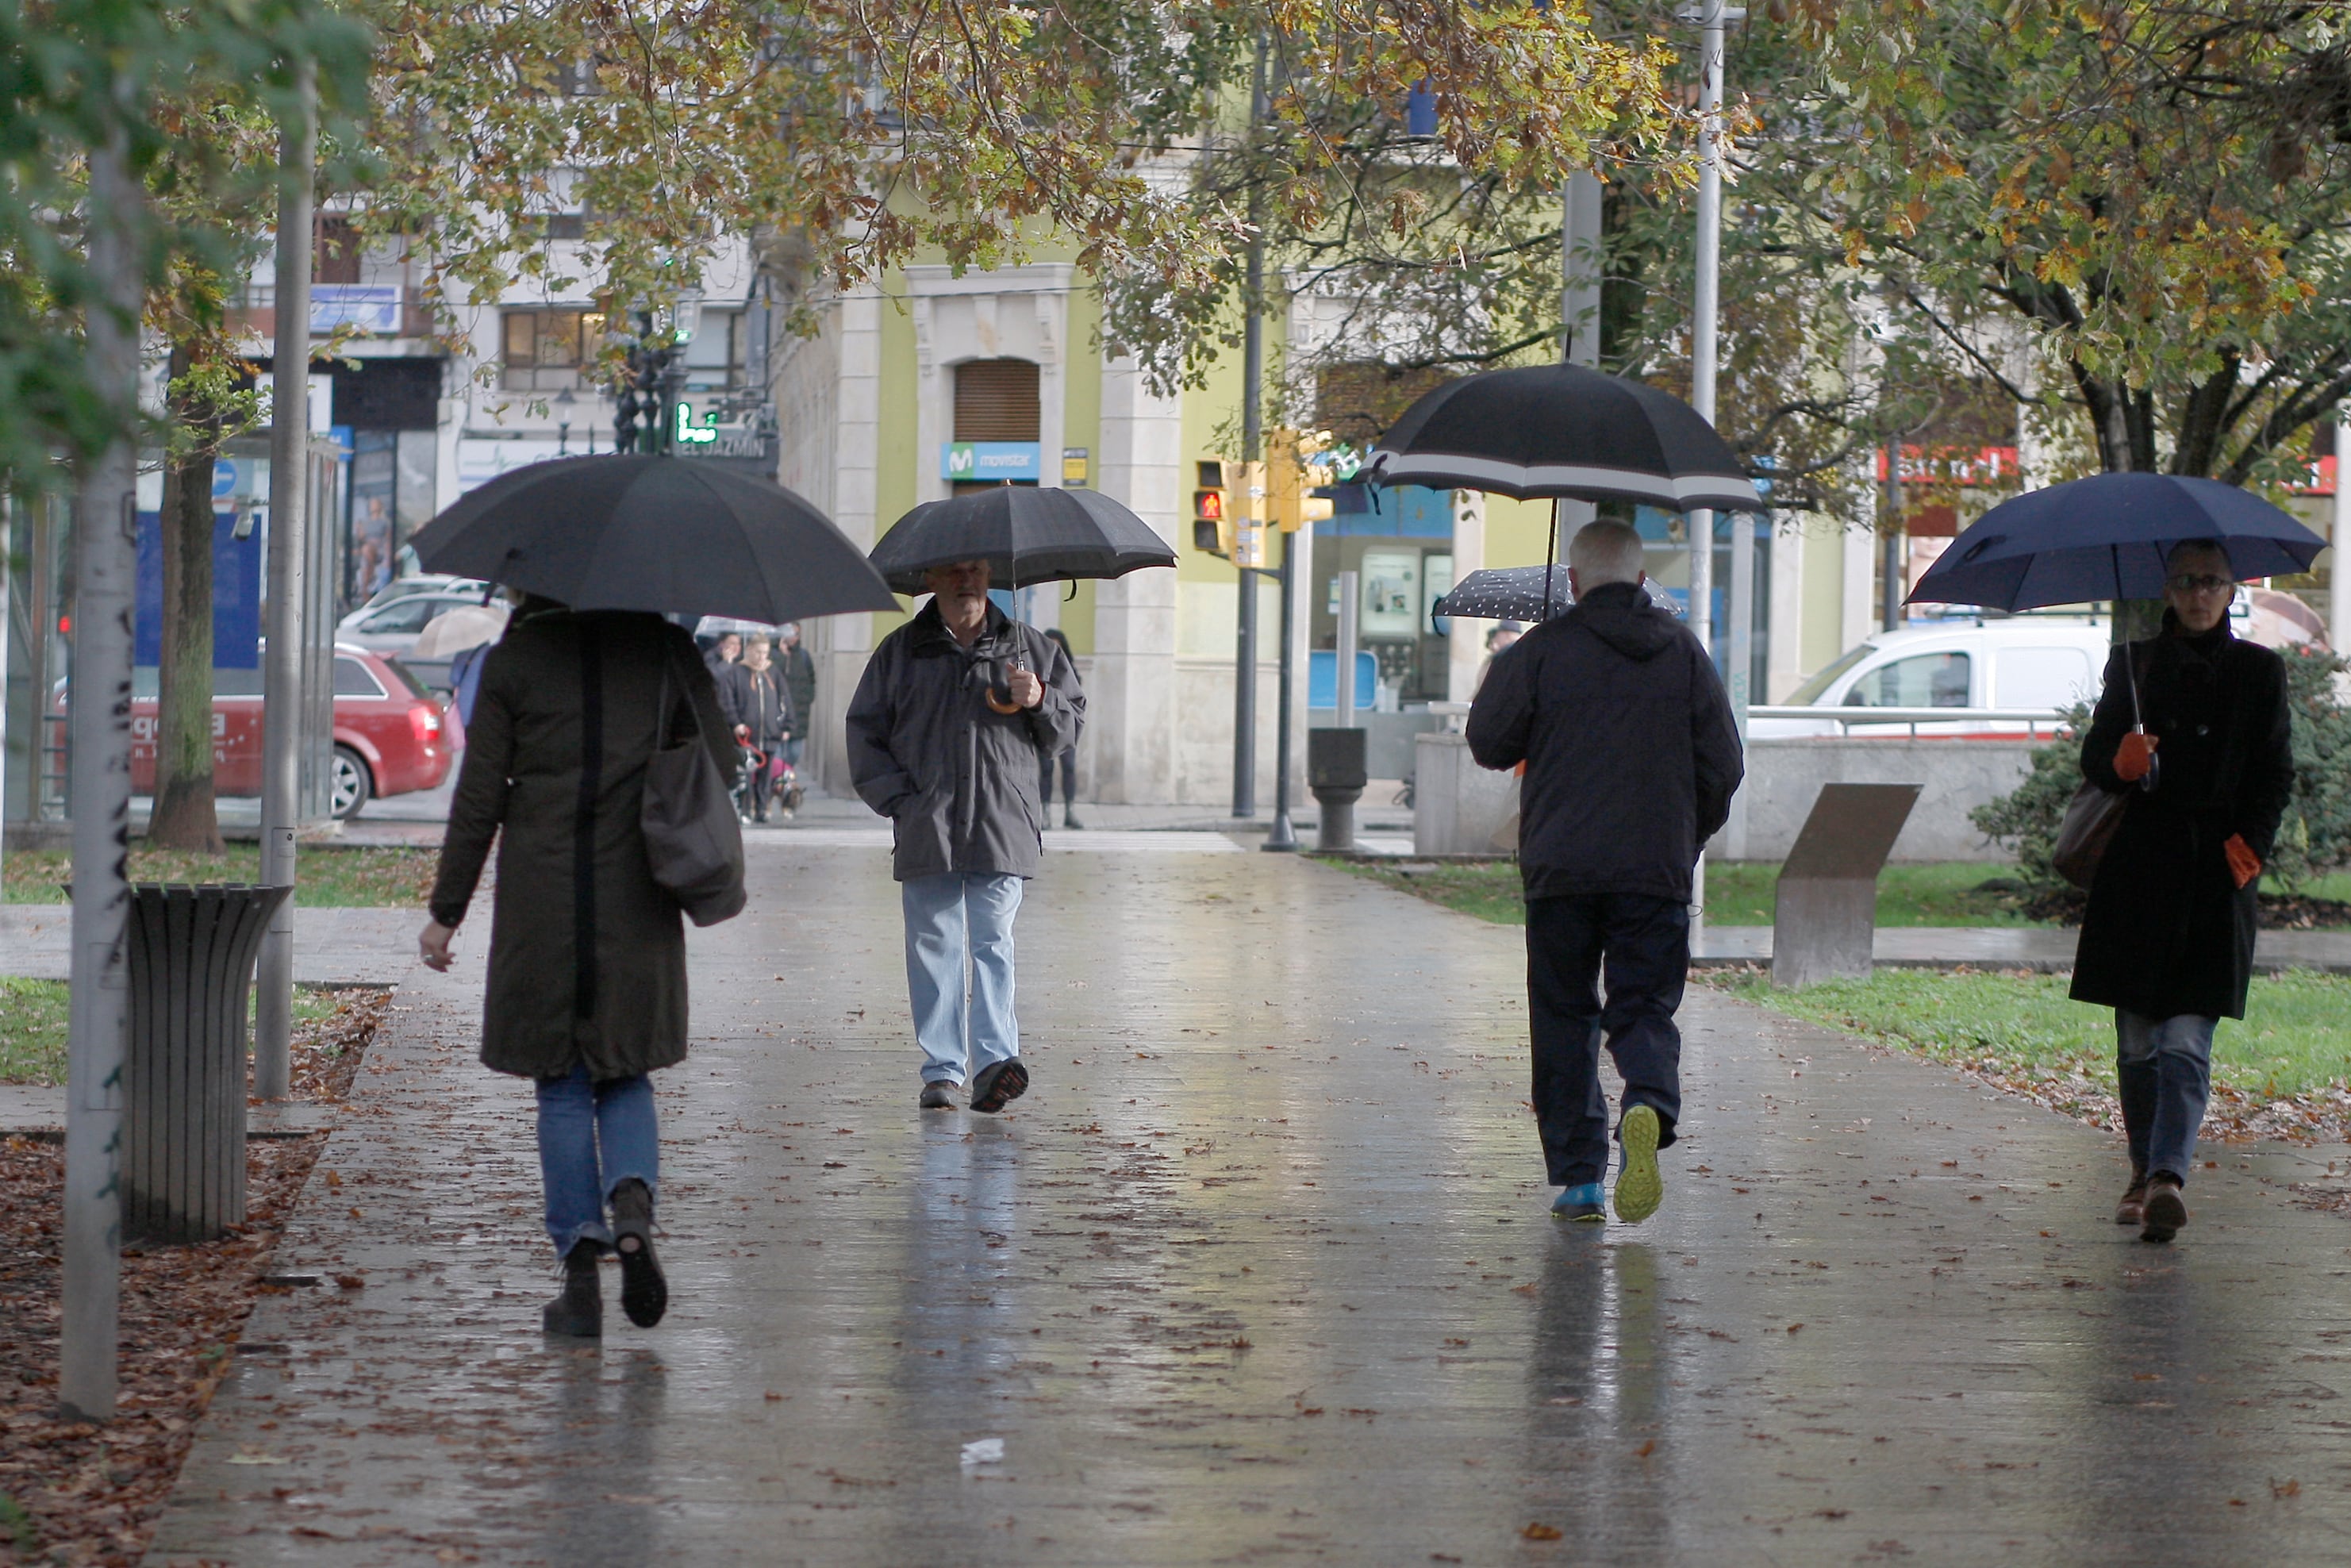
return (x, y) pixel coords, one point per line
(2125, 422)
(186, 815)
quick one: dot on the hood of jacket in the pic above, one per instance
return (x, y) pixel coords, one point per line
(1622, 615)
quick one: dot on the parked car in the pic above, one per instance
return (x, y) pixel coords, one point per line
(2028, 664)
(426, 583)
(392, 629)
(391, 736)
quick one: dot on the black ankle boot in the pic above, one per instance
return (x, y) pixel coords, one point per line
(644, 1293)
(579, 1311)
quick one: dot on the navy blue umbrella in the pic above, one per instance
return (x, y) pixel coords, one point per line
(2106, 538)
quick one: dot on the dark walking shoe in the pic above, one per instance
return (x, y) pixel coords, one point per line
(644, 1293)
(999, 1084)
(1580, 1204)
(579, 1311)
(2132, 1210)
(2167, 1211)
(1639, 1188)
(1069, 820)
(937, 1097)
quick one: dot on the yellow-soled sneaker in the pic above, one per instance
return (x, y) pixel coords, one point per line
(1639, 1188)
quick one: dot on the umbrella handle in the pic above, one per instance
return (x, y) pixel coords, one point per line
(1004, 704)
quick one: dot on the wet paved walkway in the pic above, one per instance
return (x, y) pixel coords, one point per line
(1261, 1272)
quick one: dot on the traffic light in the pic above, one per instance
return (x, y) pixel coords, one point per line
(1292, 470)
(1212, 515)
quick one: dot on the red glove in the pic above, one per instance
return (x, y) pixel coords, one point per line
(2134, 757)
(2244, 864)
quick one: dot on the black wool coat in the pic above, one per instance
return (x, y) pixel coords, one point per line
(587, 952)
(1632, 756)
(2168, 930)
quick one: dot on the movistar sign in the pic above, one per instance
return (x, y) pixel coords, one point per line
(990, 461)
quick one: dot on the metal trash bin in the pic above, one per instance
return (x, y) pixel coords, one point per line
(191, 958)
(1335, 774)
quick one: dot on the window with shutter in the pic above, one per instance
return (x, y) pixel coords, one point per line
(996, 400)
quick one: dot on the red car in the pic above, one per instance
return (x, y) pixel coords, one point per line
(392, 735)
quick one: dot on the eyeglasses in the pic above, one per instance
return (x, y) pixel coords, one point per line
(2199, 582)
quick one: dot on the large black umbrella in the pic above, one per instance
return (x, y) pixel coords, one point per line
(670, 534)
(1026, 533)
(1529, 593)
(1564, 431)
(2106, 538)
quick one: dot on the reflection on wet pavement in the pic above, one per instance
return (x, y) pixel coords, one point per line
(1261, 1269)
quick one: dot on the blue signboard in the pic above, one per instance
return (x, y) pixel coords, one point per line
(990, 461)
(236, 594)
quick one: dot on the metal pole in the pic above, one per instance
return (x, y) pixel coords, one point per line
(1281, 835)
(106, 561)
(1580, 262)
(1889, 546)
(281, 680)
(2338, 574)
(1348, 597)
(1704, 306)
(1252, 431)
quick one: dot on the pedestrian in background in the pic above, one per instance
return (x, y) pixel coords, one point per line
(957, 710)
(2167, 938)
(1500, 640)
(752, 693)
(1069, 755)
(1631, 760)
(587, 963)
(724, 651)
(800, 684)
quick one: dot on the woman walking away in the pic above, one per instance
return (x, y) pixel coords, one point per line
(2167, 941)
(587, 965)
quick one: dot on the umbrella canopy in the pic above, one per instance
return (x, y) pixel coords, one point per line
(1564, 430)
(1517, 593)
(670, 534)
(453, 632)
(1026, 533)
(2106, 538)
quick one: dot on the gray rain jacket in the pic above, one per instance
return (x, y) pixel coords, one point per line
(956, 779)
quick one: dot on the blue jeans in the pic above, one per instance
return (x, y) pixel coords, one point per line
(2164, 1070)
(592, 1137)
(960, 972)
(1645, 944)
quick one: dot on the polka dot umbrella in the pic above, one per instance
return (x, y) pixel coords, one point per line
(1517, 593)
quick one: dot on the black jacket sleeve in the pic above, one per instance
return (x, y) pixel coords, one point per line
(1714, 746)
(1502, 714)
(2267, 783)
(2109, 722)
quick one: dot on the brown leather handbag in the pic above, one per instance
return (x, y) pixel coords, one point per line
(2095, 815)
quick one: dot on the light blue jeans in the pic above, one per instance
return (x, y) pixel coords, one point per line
(960, 972)
(592, 1137)
(2163, 1068)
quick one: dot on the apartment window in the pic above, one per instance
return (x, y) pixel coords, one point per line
(715, 355)
(550, 350)
(337, 257)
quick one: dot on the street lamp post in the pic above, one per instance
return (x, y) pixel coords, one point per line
(1711, 18)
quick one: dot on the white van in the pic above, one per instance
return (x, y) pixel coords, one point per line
(2020, 666)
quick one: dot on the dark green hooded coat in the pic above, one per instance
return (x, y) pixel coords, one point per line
(587, 959)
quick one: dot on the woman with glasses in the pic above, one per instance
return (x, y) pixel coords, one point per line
(2167, 940)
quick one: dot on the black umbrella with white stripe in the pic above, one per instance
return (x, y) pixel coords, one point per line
(1546, 431)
